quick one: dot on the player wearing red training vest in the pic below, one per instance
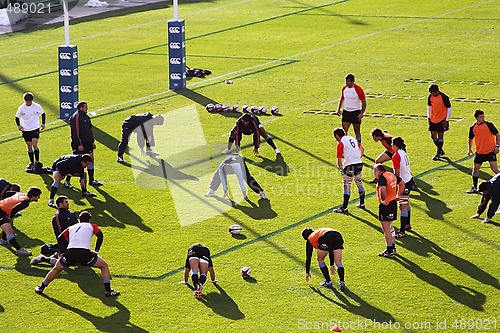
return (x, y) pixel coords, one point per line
(77, 252)
(349, 150)
(354, 102)
(388, 188)
(325, 241)
(487, 140)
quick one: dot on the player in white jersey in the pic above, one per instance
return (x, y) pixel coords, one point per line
(401, 165)
(28, 122)
(353, 101)
(349, 151)
(77, 252)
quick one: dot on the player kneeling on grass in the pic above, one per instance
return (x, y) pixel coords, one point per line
(491, 191)
(70, 165)
(198, 260)
(325, 241)
(78, 252)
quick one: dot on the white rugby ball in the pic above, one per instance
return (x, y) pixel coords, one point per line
(275, 110)
(225, 108)
(210, 107)
(218, 107)
(235, 229)
(245, 109)
(245, 272)
(236, 108)
(263, 109)
(254, 109)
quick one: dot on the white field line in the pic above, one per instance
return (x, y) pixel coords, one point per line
(124, 29)
(297, 55)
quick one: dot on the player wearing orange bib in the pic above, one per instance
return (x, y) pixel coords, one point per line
(438, 115)
(9, 207)
(325, 241)
(487, 140)
(388, 188)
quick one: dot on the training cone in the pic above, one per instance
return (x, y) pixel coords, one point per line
(336, 329)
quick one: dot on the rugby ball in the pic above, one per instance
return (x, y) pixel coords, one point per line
(210, 107)
(236, 108)
(275, 110)
(254, 109)
(235, 229)
(218, 107)
(245, 109)
(263, 109)
(245, 272)
(225, 108)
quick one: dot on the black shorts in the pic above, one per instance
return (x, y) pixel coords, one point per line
(331, 240)
(481, 158)
(388, 153)
(3, 218)
(73, 257)
(389, 212)
(30, 135)
(351, 117)
(408, 187)
(88, 148)
(353, 170)
(439, 127)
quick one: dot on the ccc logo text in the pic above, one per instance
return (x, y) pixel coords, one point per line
(66, 105)
(175, 45)
(64, 55)
(65, 72)
(176, 76)
(174, 30)
(65, 89)
(175, 61)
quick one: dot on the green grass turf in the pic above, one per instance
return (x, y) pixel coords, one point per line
(293, 54)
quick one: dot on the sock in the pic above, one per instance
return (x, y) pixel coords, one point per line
(409, 221)
(4, 236)
(324, 270)
(340, 272)
(53, 190)
(359, 139)
(107, 285)
(37, 154)
(194, 278)
(203, 278)
(230, 142)
(52, 261)
(90, 169)
(31, 156)
(347, 195)
(404, 221)
(475, 179)
(44, 284)
(361, 196)
(436, 142)
(12, 240)
(440, 144)
(270, 141)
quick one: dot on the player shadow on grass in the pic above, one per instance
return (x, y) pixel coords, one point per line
(117, 322)
(351, 302)
(436, 209)
(278, 166)
(459, 293)
(114, 213)
(425, 248)
(467, 170)
(23, 239)
(262, 211)
(221, 303)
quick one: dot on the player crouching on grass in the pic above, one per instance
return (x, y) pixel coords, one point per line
(70, 165)
(199, 259)
(325, 241)
(77, 252)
